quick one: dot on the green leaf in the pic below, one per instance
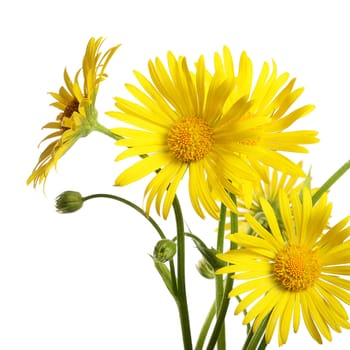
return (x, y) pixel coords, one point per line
(208, 253)
(166, 276)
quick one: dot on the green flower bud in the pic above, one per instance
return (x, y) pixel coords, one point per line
(261, 219)
(69, 202)
(164, 250)
(205, 269)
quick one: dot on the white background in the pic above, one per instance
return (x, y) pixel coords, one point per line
(85, 280)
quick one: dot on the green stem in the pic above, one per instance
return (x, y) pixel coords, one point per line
(254, 339)
(326, 186)
(219, 282)
(205, 328)
(228, 286)
(221, 316)
(130, 204)
(99, 127)
(181, 283)
(262, 345)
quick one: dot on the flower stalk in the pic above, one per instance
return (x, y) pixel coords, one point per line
(130, 204)
(219, 282)
(181, 280)
(331, 181)
(225, 301)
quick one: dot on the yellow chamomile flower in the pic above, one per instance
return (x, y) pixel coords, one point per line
(295, 272)
(187, 121)
(78, 116)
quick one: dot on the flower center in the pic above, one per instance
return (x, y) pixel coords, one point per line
(190, 139)
(71, 107)
(296, 268)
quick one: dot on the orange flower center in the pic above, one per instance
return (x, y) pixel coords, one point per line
(296, 268)
(190, 139)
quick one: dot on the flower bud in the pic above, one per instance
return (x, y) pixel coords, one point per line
(69, 202)
(261, 219)
(205, 269)
(164, 250)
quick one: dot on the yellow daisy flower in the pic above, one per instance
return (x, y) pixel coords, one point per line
(272, 97)
(78, 116)
(180, 128)
(271, 183)
(188, 121)
(295, 271)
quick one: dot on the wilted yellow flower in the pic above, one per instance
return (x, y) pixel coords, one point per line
(78, 116)
(295, 271)
(195, 121)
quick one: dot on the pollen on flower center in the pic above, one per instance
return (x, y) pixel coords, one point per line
(296, 268)
(190, 139)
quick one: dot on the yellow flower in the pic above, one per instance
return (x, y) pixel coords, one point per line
(295, 271)
(193, 121)
(78, 116)
(272, 96)
(270, 184)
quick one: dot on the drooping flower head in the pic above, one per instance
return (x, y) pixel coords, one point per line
(293, 272)
(193, 121)
(76, 102)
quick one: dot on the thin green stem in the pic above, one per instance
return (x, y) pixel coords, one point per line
(228, 286)
(205, 328)
(181, 282)
(221, 229)
(254, 339)
(219, 281)
(262, 345)
(221, 316)
(99, 127)
(130, 204)
(233, 224)
(326, 186)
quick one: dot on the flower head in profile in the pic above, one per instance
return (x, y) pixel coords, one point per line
(295, 272)
(76, 102)
(192, 121)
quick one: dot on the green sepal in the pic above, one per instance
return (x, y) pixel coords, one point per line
(166, 276)
(208, 253)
